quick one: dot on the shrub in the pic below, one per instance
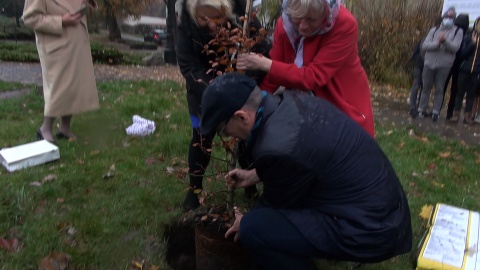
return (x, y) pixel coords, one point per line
(10, 30)
(388, 32)
(143, 46)
(106, 55)
(21, 52)
(27, 52)
(17, 33)
(132, 59)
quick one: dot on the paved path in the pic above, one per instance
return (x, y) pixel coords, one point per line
(28, 73)
(387, 109)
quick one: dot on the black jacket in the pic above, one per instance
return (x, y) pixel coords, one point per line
(462, 21)
(471, 55)
(193, 62)
(330, 178)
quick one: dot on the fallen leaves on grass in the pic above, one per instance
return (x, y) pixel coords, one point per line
(110, 173)
(55, 261)
(136, 265)
(437, 184)
(445, 154)
(426, 211)
(154, 160)
(46, 179)
(412, 134)
(11, 245)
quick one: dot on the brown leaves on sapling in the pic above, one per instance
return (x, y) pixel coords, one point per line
(228, 42)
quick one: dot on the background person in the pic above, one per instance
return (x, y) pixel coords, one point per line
(321, 197)
(315, 49)
(469, 78)
(476, 103)
(67, 69)
(197, 25)
(462, 21)
(418, 57)
(440, 45)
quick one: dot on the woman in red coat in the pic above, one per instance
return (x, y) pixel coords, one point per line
(315, 49)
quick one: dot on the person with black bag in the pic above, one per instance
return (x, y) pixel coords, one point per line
(198, 22)
(462, 21)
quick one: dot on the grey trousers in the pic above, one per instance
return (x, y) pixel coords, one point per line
(433, 77)
(417, 85)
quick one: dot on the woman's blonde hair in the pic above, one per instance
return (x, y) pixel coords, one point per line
(222, 5)
(304, 8)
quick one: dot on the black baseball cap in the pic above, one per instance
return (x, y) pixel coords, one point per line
(223, 97)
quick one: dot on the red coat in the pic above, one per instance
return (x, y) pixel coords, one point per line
(331, 69)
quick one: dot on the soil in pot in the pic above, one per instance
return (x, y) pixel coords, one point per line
(198, 242)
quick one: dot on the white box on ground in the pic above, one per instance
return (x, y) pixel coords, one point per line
(27, 155)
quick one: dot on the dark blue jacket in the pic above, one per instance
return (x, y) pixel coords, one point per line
(330, 178)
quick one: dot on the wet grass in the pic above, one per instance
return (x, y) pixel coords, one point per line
(12, 86)
(105, 221)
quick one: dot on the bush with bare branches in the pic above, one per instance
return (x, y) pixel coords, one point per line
(388, 32)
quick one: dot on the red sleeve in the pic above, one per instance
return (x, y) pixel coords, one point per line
(277, 53)
(336, 48)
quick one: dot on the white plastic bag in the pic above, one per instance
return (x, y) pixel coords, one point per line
(141, 126)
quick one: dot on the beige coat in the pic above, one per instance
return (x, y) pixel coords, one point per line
(67, 69)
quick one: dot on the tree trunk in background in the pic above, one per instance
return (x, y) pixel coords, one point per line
(18, 12)
(112, 25)
(113, 30)
(170, 56)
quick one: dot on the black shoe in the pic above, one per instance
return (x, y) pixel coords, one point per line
(62, 136)
(449, 115)
(435, 117)
(39, 137)
(191, 201)
(413, 113)
(424, 114)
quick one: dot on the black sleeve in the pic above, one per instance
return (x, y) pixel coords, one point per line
(286, 181)
(189, 60)
(468, 49)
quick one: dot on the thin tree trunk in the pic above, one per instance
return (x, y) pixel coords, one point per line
(112, 25)
(170, 55)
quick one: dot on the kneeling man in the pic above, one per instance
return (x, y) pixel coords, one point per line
(329, 190)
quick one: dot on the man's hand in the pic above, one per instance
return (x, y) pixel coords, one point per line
(71, 19)
(253, 61)
(236, 226)
(243, 178)
(442, 38)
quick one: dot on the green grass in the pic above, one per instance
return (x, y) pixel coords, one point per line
(120, 219)
(11, 86)
(104, 212)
